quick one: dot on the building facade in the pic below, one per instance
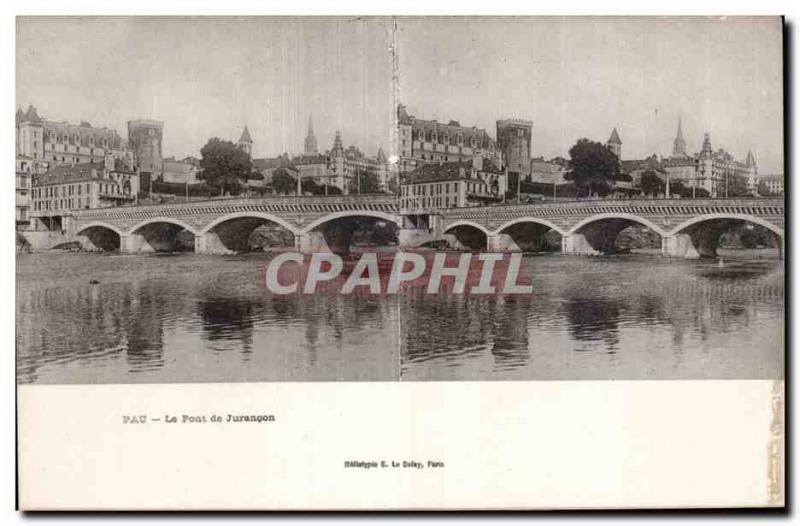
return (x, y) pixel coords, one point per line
(453, 185)
(24, 182)
(182, 171)
(425, 141)
(716, 172)
(50, 143)
(86, 185)
(548, 172)
(771, 185)
(341, 166)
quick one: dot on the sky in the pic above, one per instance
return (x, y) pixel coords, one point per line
(573, 77)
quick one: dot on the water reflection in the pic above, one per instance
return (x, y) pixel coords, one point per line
(205, 318)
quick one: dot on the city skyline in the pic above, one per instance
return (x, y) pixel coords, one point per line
(271, 75)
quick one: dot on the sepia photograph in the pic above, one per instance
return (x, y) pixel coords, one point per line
(426, 200)
(641, 178)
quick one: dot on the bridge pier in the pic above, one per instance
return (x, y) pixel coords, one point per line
(679, 246)
(311, 242)
(134, 244)
(577, 244)
(501, 243)
(210, 243)
(414, 237)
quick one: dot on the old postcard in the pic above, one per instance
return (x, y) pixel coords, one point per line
(399, 263)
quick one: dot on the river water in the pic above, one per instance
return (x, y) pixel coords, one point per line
(194, 318)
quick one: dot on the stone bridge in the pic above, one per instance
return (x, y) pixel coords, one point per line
(222, 226)
(687, 227)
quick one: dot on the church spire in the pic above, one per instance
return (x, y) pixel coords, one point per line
(310, 144)
(615, 143)
(246, 142)
(751, 160)
(679, 144)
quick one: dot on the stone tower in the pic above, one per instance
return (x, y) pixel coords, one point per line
(706, 150)
(246, 142)
(310, 145)
(514, 140)
(679, 144)
(145, 138)
(615, 144)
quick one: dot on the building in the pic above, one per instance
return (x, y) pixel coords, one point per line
(145, 139)
(313, 167)
(180, 171)
(771, 185)
(340, 166)
(50, 143)
(548, 172)
(425, 141)
(85, 185)
(636, 167)
(452, 185)
(514, 141)
(24, 179)
(716, 172)
(615, 143)
(267, 167)
(246, 142)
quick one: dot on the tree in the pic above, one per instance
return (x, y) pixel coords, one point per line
(283, 182)
(365, 182)
(737, 186)
(652, 184)
(224, 166)
(593, 167)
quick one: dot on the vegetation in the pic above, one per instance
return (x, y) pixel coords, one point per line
(225, 167)
(365, 182)
(593, 168)
(283, 182)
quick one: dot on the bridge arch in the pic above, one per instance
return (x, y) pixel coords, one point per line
(526, 234)
(236, 233)
(465, 222)
(159, 234)
(700, 236)
(259, 215)
(154, 220)
(469, 234)
(340, 231)
(740, 217)
(100, 224)
(597, 234)
(617, 215)
(528, 219)
(393, 218)
(99, 236)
